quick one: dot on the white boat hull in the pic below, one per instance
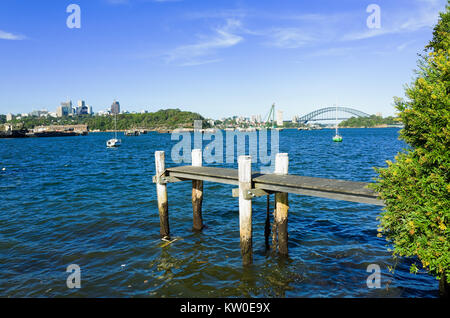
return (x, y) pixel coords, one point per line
(112, 143)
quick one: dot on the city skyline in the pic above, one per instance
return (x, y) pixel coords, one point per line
(217, 59)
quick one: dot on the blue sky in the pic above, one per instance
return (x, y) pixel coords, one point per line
(216, 57)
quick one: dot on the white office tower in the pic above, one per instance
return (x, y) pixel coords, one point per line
(279, 118)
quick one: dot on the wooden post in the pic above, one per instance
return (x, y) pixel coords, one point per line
(245, 208)
(267, 225)
(197, 192)
(161, 191)
(282, 205)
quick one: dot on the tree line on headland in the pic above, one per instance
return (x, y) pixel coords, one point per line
(161, 119)
(367, 122)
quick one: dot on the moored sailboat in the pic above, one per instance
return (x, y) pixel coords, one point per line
(337, 137)
(114, 142)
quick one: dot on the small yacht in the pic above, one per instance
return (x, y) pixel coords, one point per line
(337, 137)
(111, 143)
(114, 142)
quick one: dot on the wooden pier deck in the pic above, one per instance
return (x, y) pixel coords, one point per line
(250, 185)
(319, 187)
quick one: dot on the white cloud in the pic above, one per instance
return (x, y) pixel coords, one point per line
(289, 38)
(420, 15)
(200, 52)
(404, 45)
(10, 36)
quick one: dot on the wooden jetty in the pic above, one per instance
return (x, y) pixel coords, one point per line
(250, 185)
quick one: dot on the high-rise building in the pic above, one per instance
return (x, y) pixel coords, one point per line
(65, 109)
(62, 111)
(9, 117)
(115, 107)
(67, 104)
(90, 111)
(279, 118)
(83, 110)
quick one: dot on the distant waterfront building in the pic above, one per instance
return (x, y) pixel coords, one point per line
(115, 107)
(379, 114)
(67, 104)
(62, 111)
(83, 110)
(69, 108)
(279, 118)
(295, 119)
(9, 117)
(65, 109)
(103, 112)
(39, 113)
(90, 111)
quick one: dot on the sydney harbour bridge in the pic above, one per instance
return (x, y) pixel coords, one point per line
(331, 113)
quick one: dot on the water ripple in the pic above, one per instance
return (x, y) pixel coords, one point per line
(72, 201)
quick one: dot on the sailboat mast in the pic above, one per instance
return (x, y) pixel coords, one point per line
(115, 126)
(336, 122)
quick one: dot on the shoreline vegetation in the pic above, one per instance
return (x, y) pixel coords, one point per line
(166, 120)
(373, 121)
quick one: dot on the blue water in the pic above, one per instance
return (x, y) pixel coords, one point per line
(70, 200)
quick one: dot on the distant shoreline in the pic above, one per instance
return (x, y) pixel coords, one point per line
(287, 128)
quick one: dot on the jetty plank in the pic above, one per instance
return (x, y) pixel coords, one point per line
(354, 191)
(220, 175)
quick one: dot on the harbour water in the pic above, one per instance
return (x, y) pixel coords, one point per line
(73, 201)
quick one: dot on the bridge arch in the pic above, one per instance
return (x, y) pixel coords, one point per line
(329, 113)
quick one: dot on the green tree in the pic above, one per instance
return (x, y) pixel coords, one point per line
(416, 187)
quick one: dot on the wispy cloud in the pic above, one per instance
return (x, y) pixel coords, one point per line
(289, 38)
(10, 36)
(202, 51)
(404, 45)
(292, 31)
(421, 14)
